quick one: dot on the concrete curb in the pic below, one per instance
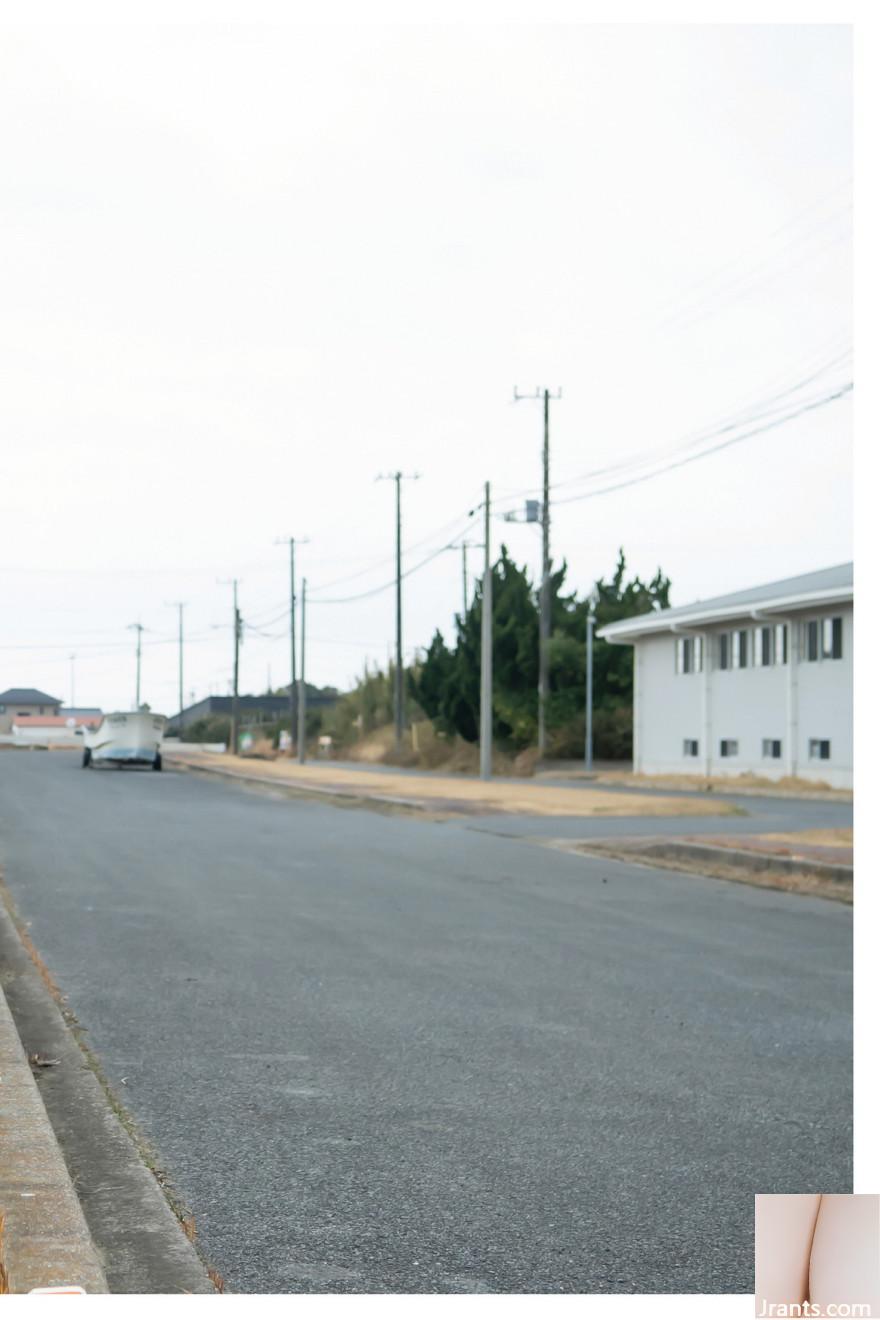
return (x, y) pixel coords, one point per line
(46, 1242)
(295, 789)
(142, 1243)
(748, 860)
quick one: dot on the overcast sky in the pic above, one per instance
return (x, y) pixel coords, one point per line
(245, 270)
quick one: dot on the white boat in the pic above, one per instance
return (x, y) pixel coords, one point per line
(126, 738)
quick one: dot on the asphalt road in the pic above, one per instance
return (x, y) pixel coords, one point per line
(378, 1053)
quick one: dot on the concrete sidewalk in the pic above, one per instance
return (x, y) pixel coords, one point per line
(45, 1241)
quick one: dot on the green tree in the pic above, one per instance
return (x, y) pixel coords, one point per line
(447, 681)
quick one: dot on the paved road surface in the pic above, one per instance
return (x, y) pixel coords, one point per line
(384, 1054)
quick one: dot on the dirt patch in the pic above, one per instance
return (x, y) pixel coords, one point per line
(453, 795)
(821, 838)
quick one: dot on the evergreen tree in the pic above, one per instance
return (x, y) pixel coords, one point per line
(446, 684)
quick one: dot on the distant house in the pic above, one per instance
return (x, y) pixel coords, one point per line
(64, 730)
(252, 710)
(758, 681)
(15, 702)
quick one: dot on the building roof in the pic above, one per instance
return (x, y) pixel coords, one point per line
(824, 586)
(269, 703)
(27, 697)
(57, 721)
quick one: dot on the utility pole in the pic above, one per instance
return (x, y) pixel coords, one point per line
(292, 541)
(237, 631)
(544, 624)
(236, 635)
(178, 605)
(72, 658)
(486, 655)
(592, 602)
(139, 627)
(464, 546)
(397, 477)
(301, 730)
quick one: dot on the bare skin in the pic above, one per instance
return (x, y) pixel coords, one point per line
(784, 1227)
(820, 1249)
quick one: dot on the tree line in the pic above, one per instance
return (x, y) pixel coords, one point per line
(443, 684)
(446, 683)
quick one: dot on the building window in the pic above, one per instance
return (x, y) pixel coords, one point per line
(832, 639)
(771, 748)
(688, 655)
(813, 639)
(825, 638)
(820, 749)
(729, 747)
(780, 644)
(691, 747)
(733, 649)
(771, 645)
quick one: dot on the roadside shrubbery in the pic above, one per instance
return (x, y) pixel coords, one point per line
(445, 683)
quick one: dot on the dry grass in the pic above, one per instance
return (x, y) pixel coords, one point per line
(449, 794)
(217, 1279)
(426, 749)
(792, 882)
(724, 783)
(831, 838)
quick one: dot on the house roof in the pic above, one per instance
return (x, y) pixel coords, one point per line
(57, 721)
(824, 586)
(27, 697)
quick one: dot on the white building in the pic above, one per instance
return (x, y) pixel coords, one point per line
(759, 681)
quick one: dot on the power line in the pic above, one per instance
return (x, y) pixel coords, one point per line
(408, 550)
(386, 586)
(714, 449)
(669, 310)
(757, 412)
(741, 289)
(760, 410)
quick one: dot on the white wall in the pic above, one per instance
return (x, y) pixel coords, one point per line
(669, 709)
(748, 705)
